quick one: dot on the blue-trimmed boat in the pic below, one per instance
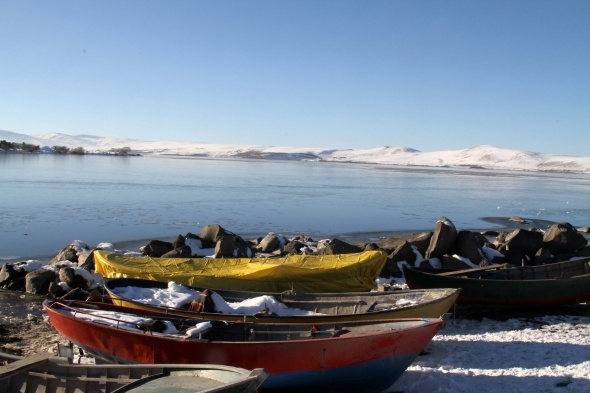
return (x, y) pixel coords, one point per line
(366, 356)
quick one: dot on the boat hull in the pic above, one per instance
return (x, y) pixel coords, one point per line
(499, 288)
(367, 361)
(50, 374)
(429, 303)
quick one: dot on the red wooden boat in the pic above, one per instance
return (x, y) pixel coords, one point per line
(364, 356)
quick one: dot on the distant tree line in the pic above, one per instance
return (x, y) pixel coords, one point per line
(22, 147)
(67, 150)
(121, 151)
(29, 148)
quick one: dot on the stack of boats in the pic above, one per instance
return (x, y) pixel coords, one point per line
(336, 336)
(310, 322)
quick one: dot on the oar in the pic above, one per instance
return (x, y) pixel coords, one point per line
(474, 270)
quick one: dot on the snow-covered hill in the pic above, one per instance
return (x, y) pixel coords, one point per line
(485, 156)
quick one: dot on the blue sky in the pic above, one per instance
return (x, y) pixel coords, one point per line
(429, 75)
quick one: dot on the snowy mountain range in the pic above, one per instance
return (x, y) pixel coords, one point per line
(484, 156)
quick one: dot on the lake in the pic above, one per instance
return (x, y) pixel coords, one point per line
(47, 200)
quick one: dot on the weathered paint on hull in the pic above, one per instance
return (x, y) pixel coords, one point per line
(431, 308)
(373, 360)
(358, 378)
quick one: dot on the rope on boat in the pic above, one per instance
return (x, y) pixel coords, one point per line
(156, 263)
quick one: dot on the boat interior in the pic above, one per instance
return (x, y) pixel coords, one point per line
(560, 270)
(229, 331)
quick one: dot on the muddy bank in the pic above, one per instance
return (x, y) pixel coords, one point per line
(29, 336)
(24, 329)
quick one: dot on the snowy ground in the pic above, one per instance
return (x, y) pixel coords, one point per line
(548, 353)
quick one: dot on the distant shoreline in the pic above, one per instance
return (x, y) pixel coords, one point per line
(480, 157)
(275, 157)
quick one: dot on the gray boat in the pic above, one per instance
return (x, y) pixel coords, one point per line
(47, 373)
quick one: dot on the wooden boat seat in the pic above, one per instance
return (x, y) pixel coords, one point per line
(473, 271)
(551, 271)
(332, 307)
(23, 364)
(258, 333)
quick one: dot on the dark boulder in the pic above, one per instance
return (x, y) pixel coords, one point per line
(179, 242)
(270, 243)
(224, 247)
(294, 247)
(448, 262)
(157, 248)
(404, 252)
(190, 236)
(68, 275)
(427, 263)
(469, 245)
(12, 272)
(56, 290)
(420, 240)
(232, 246)
(543, 256)
(211, 234)
(86, 260)
(179, 252)
(368, 247)
(70, 253)
(563, 238)
(337, 246)
(37, 281)
(500, 239)
(17, 284)
(443, 240)
(521, 246)
(195, 243)
(302, 238)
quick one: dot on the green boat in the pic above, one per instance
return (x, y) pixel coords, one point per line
(501, 285)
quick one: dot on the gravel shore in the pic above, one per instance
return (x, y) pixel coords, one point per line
(29, 336)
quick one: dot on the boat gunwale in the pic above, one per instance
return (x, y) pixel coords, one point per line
(432, 272)
(412, 323)
(446, 295)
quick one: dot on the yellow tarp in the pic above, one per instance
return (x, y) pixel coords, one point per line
(302, 273)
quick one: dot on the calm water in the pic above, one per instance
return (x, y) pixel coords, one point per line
(47, 201)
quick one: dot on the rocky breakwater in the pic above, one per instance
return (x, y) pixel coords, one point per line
(70, 274)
